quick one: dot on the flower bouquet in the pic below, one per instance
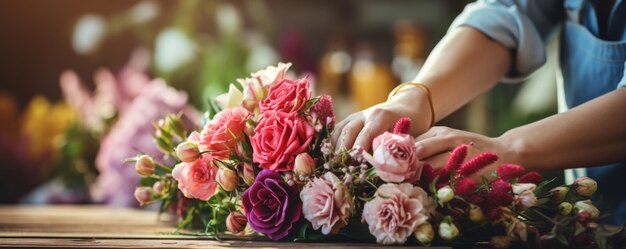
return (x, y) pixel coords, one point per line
(263, 163)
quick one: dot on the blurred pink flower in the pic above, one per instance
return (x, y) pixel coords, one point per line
(132, 134)
(113, 93)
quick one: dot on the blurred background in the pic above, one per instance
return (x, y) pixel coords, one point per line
(82, 81)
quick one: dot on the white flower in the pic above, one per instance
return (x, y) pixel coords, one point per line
(173, 49)
(144, 11)
(88, 33)
(524, 195)
(233, 98)
(445, 194)
(448, 231)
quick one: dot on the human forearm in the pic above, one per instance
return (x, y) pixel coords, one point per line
(591, 134)
(464, 64)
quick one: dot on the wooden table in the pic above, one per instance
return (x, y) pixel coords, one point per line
(106, 227)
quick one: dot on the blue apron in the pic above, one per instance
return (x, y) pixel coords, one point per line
(592, 67)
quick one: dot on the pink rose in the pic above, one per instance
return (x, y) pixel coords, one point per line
(197, 179)
(278, 138)
(223, 132)
(395, 212)
(395, 158)
(287, 96)
(327, 203)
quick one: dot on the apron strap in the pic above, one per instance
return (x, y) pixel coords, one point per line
(573, 9)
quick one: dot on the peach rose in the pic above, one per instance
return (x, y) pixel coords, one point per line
(327, 203)
(197, 179)
(223, 132)
(394, 157)
(287, 96)
(395, 212)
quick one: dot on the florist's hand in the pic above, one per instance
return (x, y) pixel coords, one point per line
(359, 129)
(435, 146)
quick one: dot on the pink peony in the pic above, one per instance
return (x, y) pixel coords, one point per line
(197, 179)
(287, 96)
(279, 137)
(327, 203)
(223, 132)
(396, 211)
(395, 158)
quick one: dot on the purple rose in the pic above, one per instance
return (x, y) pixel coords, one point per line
(271, 205)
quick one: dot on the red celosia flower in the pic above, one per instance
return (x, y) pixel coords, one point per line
(478, 198)
(501, 186)
(441, 185)
(324, 110)
(402, 126)
(457, 157)
(509, 171)
(465, 187)
(454, 161)
(500, 193)
(428, 175)
(477, 163)
(530, 177)
(494, 213)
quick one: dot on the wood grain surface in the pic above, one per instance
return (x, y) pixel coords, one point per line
(107, 227)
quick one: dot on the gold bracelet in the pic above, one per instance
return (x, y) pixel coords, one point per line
(420, 86)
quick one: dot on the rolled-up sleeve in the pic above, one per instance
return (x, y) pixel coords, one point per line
(523, 26)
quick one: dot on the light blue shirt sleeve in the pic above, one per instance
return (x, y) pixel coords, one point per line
(523, 26)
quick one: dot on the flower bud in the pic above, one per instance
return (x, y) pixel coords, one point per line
(145, 165)
(304, 165)
(586, 186)
(157, 187)
(248, 174)
(249, 129)
(175, 125)
(228, 179)
(448, 231)
(143, 195)
(583, 217)
(588, 207)
(253, 93)
(187, 151)
(236, 222)
(558, 194)
(445, 194)
(424, 233)
(565, 208)
(476, 214)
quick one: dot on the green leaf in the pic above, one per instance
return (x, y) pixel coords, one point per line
(311, 102)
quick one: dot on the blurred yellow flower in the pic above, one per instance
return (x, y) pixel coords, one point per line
(43, 122)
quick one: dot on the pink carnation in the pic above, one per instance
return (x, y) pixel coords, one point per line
(396, 211)
(327, 203)
(223, 132)
(395, 158)
(278, 138)
(287, 96)
(197, 179)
